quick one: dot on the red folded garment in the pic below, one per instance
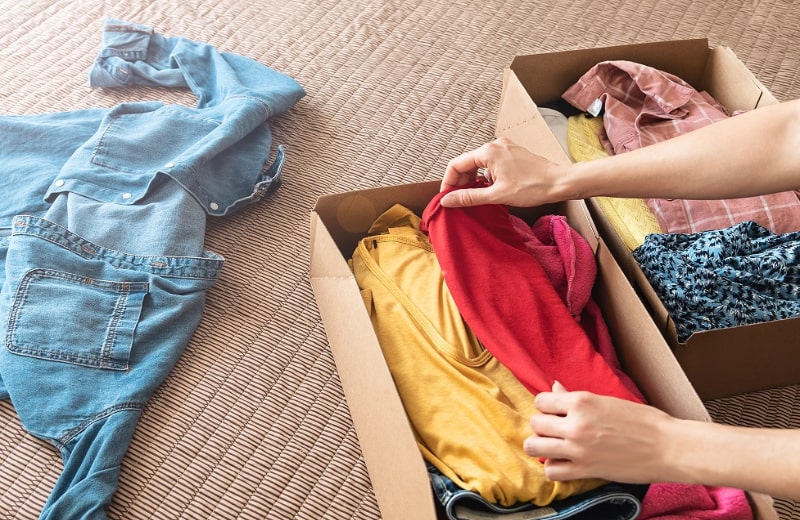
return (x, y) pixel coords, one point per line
(509, 302)
(565, 256)
(568, 261)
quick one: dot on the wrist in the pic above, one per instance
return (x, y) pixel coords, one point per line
(568, 182)
(690, 451)
(582, 180)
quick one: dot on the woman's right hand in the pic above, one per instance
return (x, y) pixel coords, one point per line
(516, 177)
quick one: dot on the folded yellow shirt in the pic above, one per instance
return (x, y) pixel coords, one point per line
(631, 218)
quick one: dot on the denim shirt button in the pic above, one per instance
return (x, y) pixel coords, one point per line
(126, 196)
(169, 165)
(214, 206)
(59, 182)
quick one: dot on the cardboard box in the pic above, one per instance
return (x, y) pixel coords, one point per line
(721, 362)
(393, 460)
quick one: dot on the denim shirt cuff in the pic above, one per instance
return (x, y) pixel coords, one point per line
(124, 40)
(269, 181)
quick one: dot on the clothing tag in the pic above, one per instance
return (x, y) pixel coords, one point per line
(595, 107)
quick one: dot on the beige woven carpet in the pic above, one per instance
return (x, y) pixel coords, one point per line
(252, 422)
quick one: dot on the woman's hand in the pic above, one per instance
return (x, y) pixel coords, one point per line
(516, 177)
(584, 435)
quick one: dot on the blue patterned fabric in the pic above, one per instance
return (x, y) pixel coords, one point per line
(735, 276)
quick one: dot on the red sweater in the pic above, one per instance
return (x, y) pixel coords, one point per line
(507, 299)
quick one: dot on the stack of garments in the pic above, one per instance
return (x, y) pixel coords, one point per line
(713, 263)
(476, 312)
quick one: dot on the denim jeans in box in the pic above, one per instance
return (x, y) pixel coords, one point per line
(610, 502)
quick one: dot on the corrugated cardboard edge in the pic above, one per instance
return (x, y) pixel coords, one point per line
(523, 125)
(723, 79)
(545, 74)
(387, 442)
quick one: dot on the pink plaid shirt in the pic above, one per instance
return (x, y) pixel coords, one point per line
(778, 212)
(641, 106)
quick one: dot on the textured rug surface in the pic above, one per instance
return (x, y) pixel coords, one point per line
(252, 422)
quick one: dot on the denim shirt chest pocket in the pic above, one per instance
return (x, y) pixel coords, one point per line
(134, 142)
(65, 317)
(143, 141)
(218, 154)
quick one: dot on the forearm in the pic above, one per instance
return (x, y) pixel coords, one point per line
(759, 460)
(754, 153)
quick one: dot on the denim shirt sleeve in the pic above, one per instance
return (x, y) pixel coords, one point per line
(218, 150)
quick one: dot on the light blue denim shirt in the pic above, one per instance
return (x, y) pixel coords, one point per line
(104, 210)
